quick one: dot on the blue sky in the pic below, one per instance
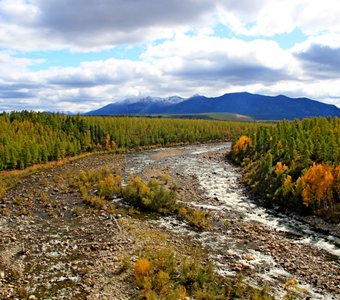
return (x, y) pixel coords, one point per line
(79, 55)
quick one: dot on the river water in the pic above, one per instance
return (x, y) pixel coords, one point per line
(220, 181)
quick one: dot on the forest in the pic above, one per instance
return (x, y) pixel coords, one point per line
(295, 165)
(28, 138)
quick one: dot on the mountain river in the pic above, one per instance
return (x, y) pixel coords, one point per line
(273, 246)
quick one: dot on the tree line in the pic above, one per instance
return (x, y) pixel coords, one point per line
(28, 138)
(295, 164)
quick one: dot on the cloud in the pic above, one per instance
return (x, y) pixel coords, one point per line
(93, 25)
(10, 64)
(230, 60)
(16, 95)
(320, 56)
(268, 18)
(97, 73)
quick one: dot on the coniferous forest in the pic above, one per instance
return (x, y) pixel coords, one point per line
(28, 138)
(294, 164)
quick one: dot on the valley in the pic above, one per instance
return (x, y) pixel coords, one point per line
(54, 245)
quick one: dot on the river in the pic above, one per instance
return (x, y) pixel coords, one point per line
(272, 247)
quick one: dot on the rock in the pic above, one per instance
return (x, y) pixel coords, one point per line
(2, 274)
(244, 264)
(249, 257)
(32, 297)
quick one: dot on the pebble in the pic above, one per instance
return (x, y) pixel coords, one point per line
(249, 257)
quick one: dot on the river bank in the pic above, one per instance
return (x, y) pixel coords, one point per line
(49, 250)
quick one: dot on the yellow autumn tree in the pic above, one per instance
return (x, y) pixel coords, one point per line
(242, 144)
(287, 185)
(280, 168)
(108, 142)
(318, 187)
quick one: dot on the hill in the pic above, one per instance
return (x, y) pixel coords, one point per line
(255, 106)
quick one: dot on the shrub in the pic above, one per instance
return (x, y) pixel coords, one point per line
(78, 211)
(182, 211)
(110, 186)
(95, 201)
(195, 217)
(142, 267)
(151, 196)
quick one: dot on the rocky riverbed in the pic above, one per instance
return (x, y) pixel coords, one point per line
(52, 246)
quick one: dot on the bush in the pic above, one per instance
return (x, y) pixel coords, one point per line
(151, 196)
(142, 267)
(97, 186)
(110, 186)
(195, 217)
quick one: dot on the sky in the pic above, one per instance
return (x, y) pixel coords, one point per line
(79, 55)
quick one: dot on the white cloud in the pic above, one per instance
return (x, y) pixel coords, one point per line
(85, 25)
(221, 59)
(10, 64)
(91, 25)
(268, 18)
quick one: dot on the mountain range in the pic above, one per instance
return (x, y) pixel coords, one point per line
(256, 106)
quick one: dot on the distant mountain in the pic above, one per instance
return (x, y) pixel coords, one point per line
(256, 106)
(147, 105)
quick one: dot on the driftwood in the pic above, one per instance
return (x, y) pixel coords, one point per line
(120, 228)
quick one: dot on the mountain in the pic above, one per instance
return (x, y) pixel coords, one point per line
(256, 106)
(147, 105)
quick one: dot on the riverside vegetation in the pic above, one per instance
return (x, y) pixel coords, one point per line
(295, 165)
